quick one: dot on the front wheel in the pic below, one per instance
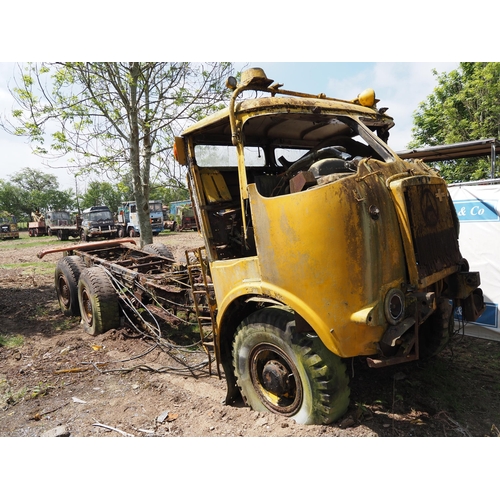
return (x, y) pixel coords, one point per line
(132, 233)
(98, 301)
(286, 373)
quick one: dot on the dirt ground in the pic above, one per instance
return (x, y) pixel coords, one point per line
(62, 382)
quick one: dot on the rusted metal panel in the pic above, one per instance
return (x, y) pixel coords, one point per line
(434, 234)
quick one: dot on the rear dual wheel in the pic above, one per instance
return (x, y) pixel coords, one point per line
(286, 373)
(98, 301)
(67, 274)
(159, 249)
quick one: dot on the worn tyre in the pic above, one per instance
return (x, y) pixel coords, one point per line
(280, 371)
(132, 233)
(49, 232)
(68, 270)
(435, 334)
(84, 236)
(98, 301)
(120, 233)
(159, 249)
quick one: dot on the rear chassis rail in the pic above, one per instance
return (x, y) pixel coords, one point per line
(150, 281)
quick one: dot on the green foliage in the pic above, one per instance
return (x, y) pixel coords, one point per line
(102, 193)
(116, 119)
(31, 189)
(167, 194)
(464, 106)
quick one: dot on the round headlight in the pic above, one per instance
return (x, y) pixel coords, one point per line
(394, 306)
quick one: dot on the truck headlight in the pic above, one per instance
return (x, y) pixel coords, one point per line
(394, 306)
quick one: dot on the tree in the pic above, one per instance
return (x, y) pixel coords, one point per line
(102, 193)
(116, 118)
(464, 106)
(31, 190)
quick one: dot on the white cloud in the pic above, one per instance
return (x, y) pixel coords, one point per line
(399, 86)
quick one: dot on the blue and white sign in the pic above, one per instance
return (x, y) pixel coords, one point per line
(478, 209)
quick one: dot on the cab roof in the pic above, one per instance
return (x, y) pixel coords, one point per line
(298, 120)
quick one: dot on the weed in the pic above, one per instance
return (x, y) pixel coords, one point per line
(11, 341)
(9, 398)
(40, 390)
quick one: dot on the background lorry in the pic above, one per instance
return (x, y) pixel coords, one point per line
(128, 219)
(55, 223)
(322, 245)
(8, 226)
(179, 216)
(97, 222)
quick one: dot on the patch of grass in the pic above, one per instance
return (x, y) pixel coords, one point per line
(34, 264)
(30, 268)
(65, 323)
(27, 242)
(9, 397)
(11, 341)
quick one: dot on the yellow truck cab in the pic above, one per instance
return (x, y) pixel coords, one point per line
(321, 245)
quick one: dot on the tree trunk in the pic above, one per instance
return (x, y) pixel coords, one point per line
(140, 183)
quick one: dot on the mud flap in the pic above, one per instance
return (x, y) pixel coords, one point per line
(473, 306)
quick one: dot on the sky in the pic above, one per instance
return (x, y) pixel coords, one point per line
(400, 86)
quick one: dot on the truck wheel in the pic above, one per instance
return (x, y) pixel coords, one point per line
(159, 249)
(84, 236)
(288, 374)
(131, 232)
(49, 232)
(435, 334)
(121, 232)
(174, 227)
(59, 234)
(68, 270)
(98, 301)
(30, 232)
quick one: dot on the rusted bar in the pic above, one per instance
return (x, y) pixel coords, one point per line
(86, 246)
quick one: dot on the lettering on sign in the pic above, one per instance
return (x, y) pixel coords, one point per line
(477, 210)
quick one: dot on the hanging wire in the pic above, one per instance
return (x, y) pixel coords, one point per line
(133, 309)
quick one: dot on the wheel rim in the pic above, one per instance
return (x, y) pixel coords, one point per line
(275, 379)
(87, 313)
(64, 292)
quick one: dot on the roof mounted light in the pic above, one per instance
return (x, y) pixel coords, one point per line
(366, 98)
(255, 77)
(231, 83)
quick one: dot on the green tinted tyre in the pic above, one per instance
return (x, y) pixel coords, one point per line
(280, 371)
(98, 301)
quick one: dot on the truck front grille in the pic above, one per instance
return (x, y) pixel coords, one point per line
(435, 238)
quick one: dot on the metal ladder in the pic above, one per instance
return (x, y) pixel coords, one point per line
(197, 266)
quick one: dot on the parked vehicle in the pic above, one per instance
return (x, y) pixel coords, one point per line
(128, 218)
(187, 220)
(322, 245)
(8, 226)
(97, 222)
(55, 223)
